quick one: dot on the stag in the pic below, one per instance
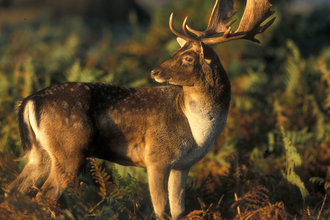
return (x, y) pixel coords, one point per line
(165, 129)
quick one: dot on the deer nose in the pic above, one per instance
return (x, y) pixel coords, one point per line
(154, 73)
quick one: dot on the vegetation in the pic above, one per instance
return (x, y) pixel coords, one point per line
(271, 161)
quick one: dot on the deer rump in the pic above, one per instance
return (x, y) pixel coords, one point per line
(165, 129)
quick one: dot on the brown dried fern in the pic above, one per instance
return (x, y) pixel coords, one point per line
(255, 205)
(252, 200)
(100, 176)
(48, 204)
(209, 212)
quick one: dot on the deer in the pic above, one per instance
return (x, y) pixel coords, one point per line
(165, 129)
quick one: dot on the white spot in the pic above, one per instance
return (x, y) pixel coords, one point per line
(77, 125)
(71, 89)
(65, 104)
(79, 104)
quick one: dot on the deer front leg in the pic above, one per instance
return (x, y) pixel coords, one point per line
(158, 184)
(176, 187)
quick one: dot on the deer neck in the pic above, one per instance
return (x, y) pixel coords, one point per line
(206, 106)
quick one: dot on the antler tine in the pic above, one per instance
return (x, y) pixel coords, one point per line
(174, 31)
(256, 12)
(186, 32)
(222, 10)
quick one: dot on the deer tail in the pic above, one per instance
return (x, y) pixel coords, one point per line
(25, 112)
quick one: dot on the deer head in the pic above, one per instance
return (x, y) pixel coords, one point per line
(195, 51)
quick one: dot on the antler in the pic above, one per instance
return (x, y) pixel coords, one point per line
(256, 12)
(222, 10)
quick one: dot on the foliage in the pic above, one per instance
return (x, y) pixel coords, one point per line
(293, 160)
(255, 169)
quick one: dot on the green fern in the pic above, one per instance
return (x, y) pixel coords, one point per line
(320, 181)
(294, 68)
(73, 73)
(293, 160)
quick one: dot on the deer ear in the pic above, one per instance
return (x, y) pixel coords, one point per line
(207, 53)
(181, 41)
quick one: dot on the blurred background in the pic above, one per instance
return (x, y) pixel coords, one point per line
(280, 90)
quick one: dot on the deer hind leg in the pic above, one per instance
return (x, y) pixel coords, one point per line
(34, 174)
(37, 169)
(67, 159)
(64, 170)
(68, 147)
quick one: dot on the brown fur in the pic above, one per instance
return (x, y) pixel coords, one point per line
(64, 124)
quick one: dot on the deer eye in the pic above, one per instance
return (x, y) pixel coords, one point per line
(188, 59)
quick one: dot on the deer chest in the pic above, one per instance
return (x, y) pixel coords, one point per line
(205, 124)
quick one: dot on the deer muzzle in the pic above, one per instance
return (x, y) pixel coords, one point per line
(154, 73)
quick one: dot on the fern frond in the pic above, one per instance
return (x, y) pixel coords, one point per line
(271, 211)
(49, 204)
(117, 177)
(73, 73)
(293, 159)
(318, 180)
(100, 176)
(206, 212)
(252, 200)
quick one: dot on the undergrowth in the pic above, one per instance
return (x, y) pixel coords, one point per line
(271, 161)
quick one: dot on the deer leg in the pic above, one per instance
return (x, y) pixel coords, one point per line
(35, 172)
(176, 187)
(158, 183)
(64, 170)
